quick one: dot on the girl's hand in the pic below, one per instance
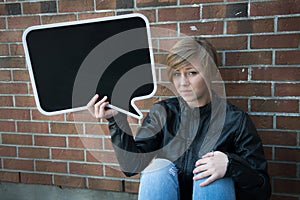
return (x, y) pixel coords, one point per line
(212, 165)
(99, 109)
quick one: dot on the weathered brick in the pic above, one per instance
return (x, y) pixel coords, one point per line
(50, 19)
(69, 181)
(28, 152)
(132, 186)
(12, 62)
(7, 126)
(105, 184)
(24, 101)
(33, 127)
(35, 178)
(275, 41)
(8, 151)
(278, 138)
(9, 177)
(18, 164)
(21, 75)
(10, 9)
(15, 114)
(83, 16)
(2, 23)
(250, 26)
(286, 186)
(182, 2)
(84, 142)
(22, 22)
(262, 122)
(6, 101)
(248, 58)
(150, 14)
(67, 154)
(282, 89)
(276, 73)
(288, 123)
(36, 115)
(86, 169)
(96, 129)
(10, 36)
(229, 43)
(282, 169)
(4, 51)
(248, 89)
(66, 128)
(5, 75)
(289, 106)
(163, 30)
(39, 7)
(241, 103)
(279, 7)
(101, 156)
(202, 28)
(51, 166)
(18, 139)
(178, 14)
(288, 24)
(234, 74)
(288, 57)
(50, 141)
(150, 3)
(225, 11)
(75, 5)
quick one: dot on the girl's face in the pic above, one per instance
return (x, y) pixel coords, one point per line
(191, 86)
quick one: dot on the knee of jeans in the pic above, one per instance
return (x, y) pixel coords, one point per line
(161, 167)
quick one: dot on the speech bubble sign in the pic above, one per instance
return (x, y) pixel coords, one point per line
(71, 62)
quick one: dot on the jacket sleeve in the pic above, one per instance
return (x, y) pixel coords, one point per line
(135, 153)
(247, 166)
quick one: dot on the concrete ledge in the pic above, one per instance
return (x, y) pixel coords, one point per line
(19, 191)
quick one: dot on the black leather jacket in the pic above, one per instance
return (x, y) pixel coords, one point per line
(174, 131)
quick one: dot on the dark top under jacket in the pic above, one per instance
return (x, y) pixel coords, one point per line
(174, 131)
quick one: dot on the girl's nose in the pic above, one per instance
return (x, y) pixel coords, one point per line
(184, 80)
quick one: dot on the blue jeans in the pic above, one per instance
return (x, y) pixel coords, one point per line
(159, 181)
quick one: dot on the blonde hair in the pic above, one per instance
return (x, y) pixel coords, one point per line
(192, 51)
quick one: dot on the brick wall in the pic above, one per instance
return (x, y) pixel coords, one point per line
(258, 46)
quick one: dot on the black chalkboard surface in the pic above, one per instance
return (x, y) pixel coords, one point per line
(70, 62)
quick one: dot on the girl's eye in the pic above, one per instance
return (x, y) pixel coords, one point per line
(192, 73)
(176, 74)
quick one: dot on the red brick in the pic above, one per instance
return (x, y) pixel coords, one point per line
(67, 154)
(105, 184)
(36, 178)
(198, 1)
(150, 3)
(214, 11)
(33, 127)
(105, 4)
(8, 151)
(11, 36)
(287, 154)
(282, 169)
(202, 28)
(286, 186)
(278, 138)
(22, 114)
(288, 57)
(250, 26)
(165, 90)
(69, 181)
(75, 5)
(9, 176)
(150, 14)
(241, 103)
(2, 23)
(21, 75)
(96, 129)
(39, 7)
(5, 75)
(25, 101)
(248, 89)
(36, 115)
(107, 144)
(12, 62)
(179, 14)
(268, 151)
(145, 104)
(50, 141)
(287, 89)
(291, 106)
(6, 126)
(18, 164)
(280, 7)
(101, 156)
(16, 49)
(4, 51)
(288, 24)
(50, 19)
(288, 123)
(163, 30)
(276, 73)
(234, 74)
(13, 88)
(83, 16)
(28, 152)
(113, 171)
(86, 169)
(248, 58)
(81, 116)
(17, 139)
(83, 142)
(262, 122)
(22, 22)
(63, 128)
(132, 187)
(275, 41)
(283, 197)
(51, 166)
(6, 101)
